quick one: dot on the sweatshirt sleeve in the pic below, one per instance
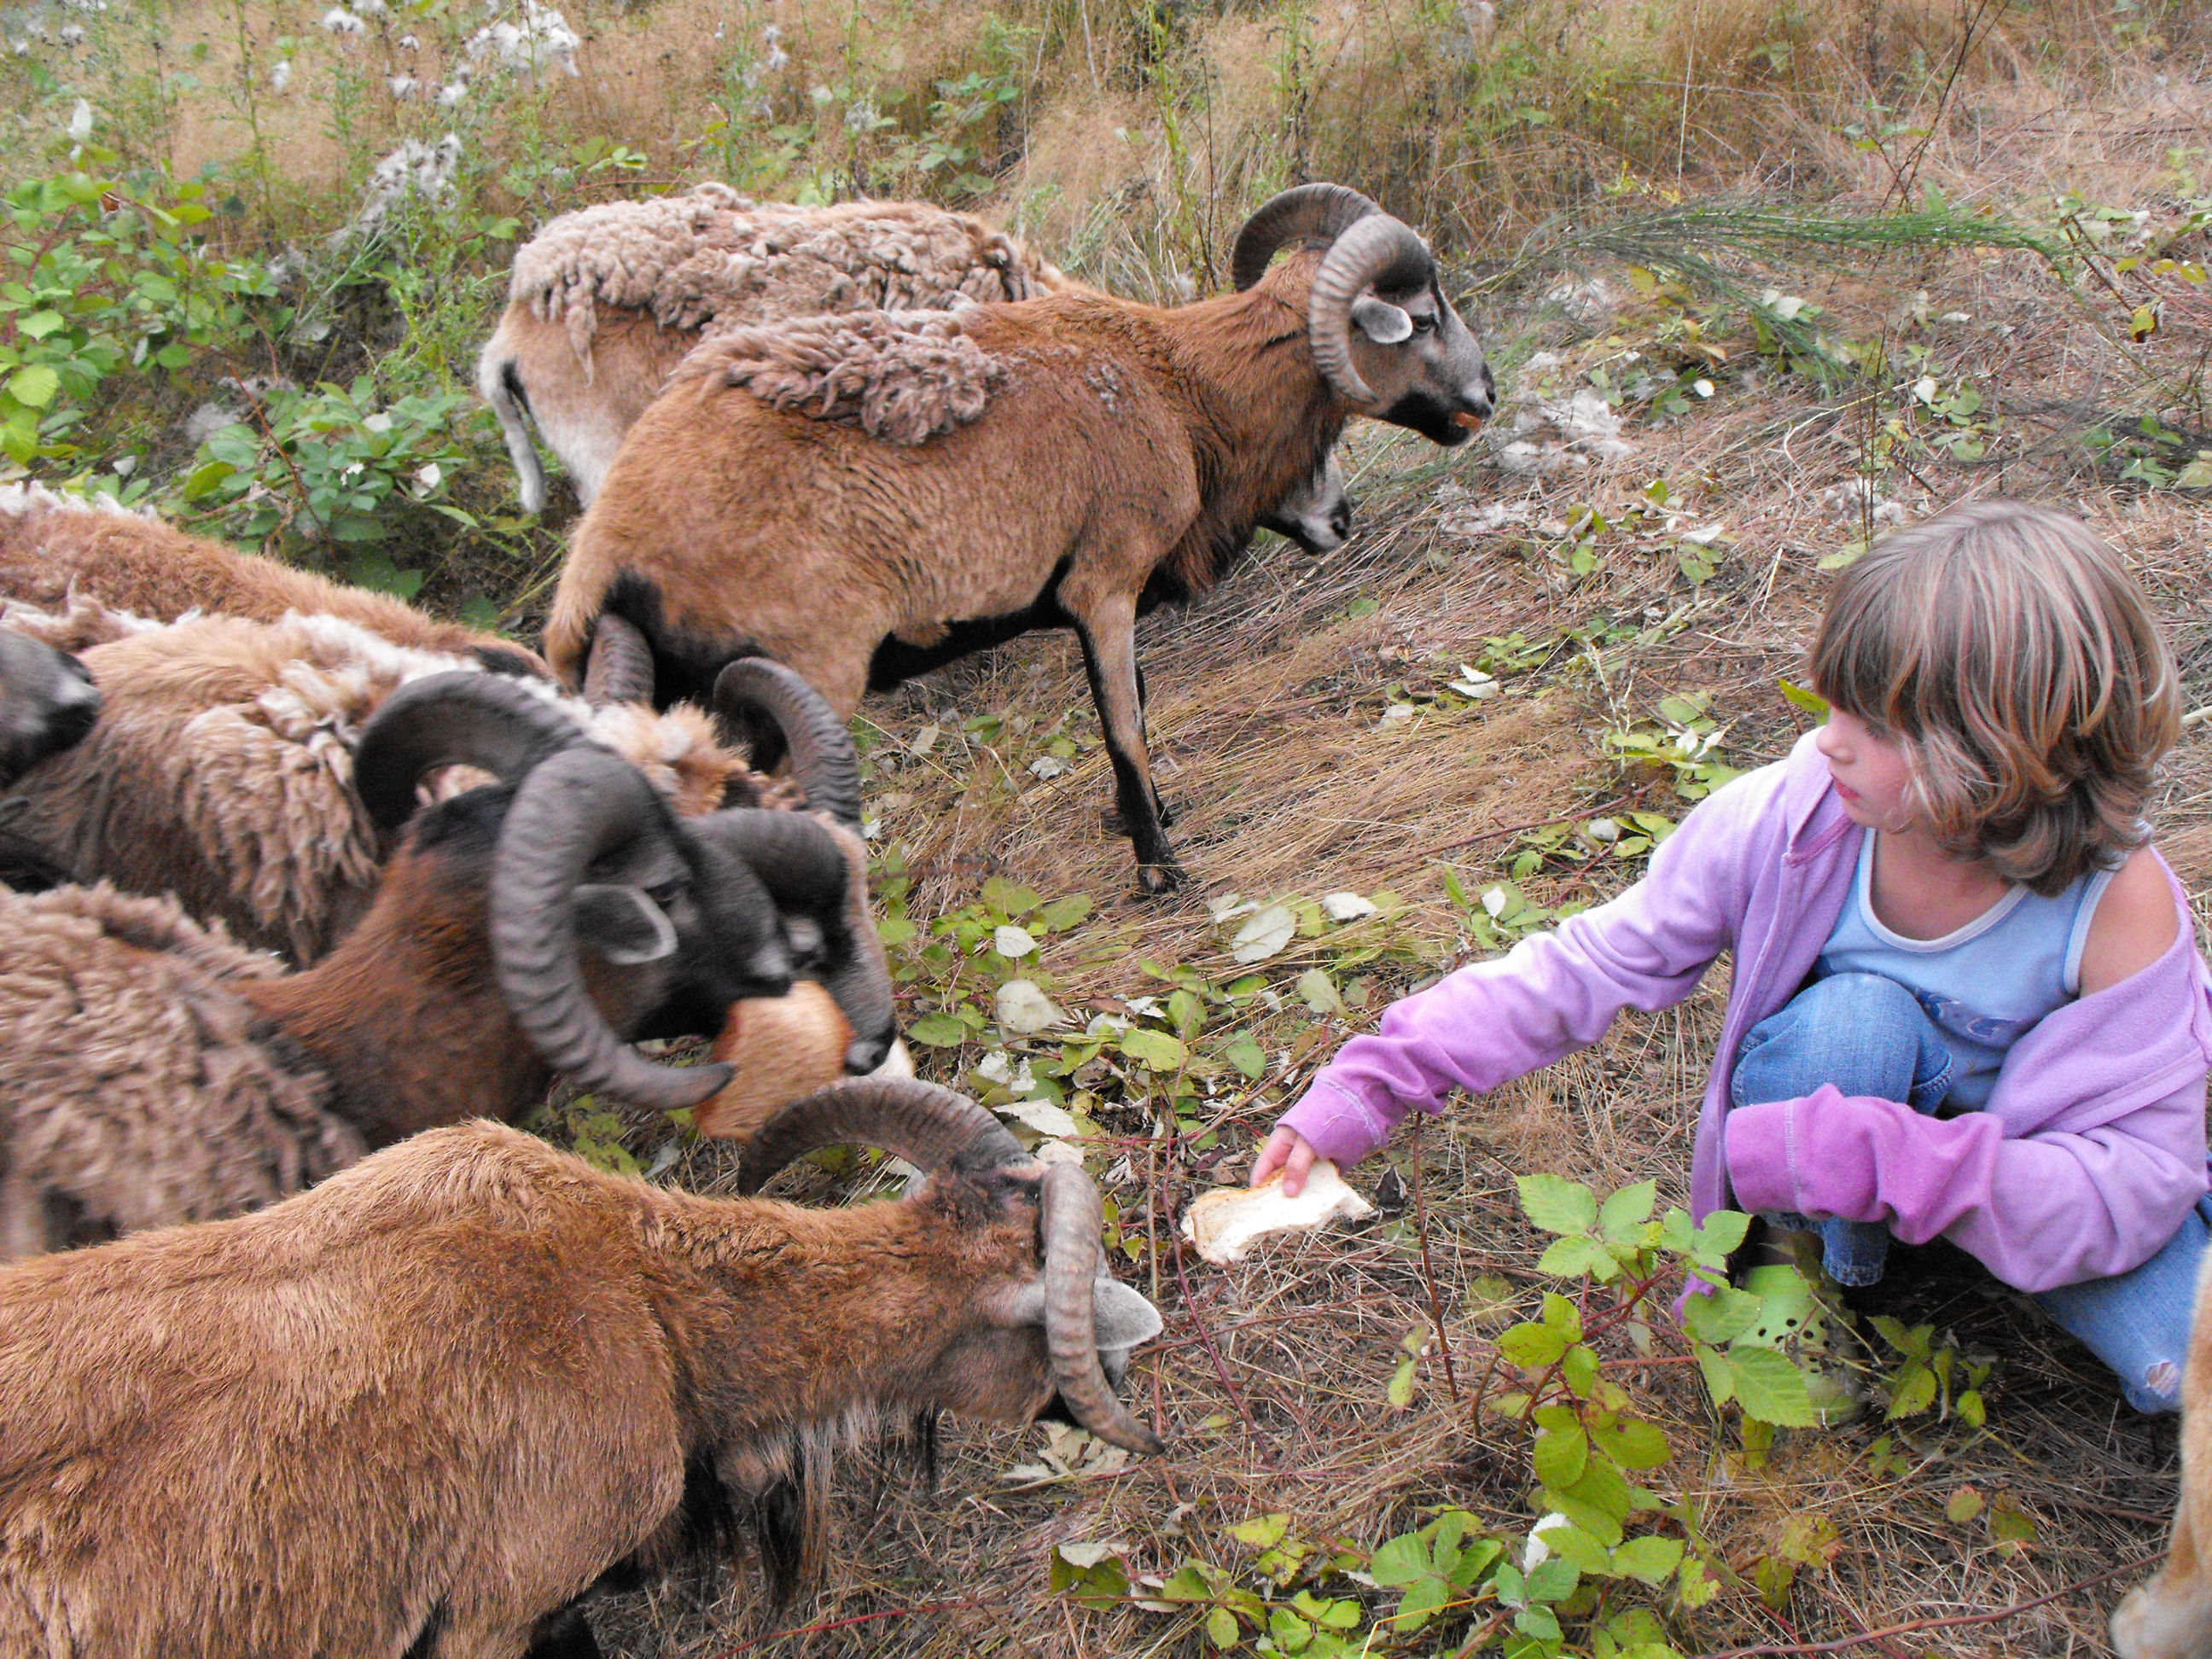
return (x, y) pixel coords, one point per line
(2039, 1212)
(1554, 992)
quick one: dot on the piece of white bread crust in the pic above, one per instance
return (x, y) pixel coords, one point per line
(1226, 1223)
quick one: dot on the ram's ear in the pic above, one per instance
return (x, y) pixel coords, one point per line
(1381, 321)
(1123, 1317)
(622, 924)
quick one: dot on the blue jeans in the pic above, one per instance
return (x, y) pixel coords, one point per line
(1868, 1036)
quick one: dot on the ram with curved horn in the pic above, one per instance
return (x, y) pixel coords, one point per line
(438, 1403)
(153, 1072)
(1065, 462)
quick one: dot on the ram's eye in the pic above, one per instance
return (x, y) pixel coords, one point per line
(667, 892)
(1423, 324)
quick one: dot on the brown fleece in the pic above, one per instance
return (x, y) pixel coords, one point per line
(51, 546)
(604, 302)
(450, 1387)
(136, 1086)
(221, 769)
(901, 376)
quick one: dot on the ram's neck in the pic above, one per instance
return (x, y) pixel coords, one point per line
(405, 1017)
(1262, 418)
(789, 1318)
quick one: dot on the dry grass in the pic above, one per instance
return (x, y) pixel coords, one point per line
(1269, 1381)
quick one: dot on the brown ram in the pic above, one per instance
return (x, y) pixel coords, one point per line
(422, 1410)
(54, 546)
(1122, 458)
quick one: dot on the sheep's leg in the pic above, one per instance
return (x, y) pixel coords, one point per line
(566, 1635)
(1108, 634)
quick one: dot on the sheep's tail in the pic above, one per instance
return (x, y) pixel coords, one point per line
(500, 384)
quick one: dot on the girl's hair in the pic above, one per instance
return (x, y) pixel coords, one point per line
(2006, 650)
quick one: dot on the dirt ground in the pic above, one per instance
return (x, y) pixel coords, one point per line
(1268, 707)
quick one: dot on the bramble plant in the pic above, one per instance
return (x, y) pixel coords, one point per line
(1580, 1582)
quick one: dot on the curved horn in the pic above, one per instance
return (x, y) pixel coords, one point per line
(1379, 251)
(1071, 1219)
(930, 1127)
(823, 757)
(810, 868)
(1308, 212)
(573, 808)
(487, 720)
(620, 668)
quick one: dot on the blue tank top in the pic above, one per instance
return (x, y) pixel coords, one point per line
(1981, 985)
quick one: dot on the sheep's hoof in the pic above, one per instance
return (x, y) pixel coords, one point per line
(1157, 878)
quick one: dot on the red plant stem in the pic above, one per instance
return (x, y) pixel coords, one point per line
(1429, 1273)
(1914, 1626)
(857, 1619)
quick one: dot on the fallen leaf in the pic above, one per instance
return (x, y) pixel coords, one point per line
(1022, 1009)
(1264, 935)
(1346, 907)
(1012, 942)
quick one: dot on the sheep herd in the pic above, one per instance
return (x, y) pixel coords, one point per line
(307, 896)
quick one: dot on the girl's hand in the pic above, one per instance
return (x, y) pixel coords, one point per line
(1286, 1150)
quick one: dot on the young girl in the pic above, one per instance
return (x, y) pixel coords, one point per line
(1966, 998)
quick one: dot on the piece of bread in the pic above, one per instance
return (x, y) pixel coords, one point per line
(783, 1048)
(1226, 1223)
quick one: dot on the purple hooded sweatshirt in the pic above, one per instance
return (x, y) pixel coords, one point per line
(2090, 1151)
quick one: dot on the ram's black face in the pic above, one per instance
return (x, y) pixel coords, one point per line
(47, 703)
(1426, 367)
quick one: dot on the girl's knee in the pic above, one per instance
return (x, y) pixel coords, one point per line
(1862, 1033)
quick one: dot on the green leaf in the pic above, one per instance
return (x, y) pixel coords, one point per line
(1532, 1345)
(1915, 1392)
(1422, 1600)
(1719, 1373)
(1156, 1051)
(35, 386)
(1562, 1316)
(1222, 1629)
(1633, 1445)
(1556, 1205)
(1400, 1390)
(1724, 1314)
(1400, 1560)
(1262, 1531)
(1771, 1388)
(1319, 991)
(1291, 1633)
(1560, 1456)
(1570, 1543)
(938, 1031)
(1966, 1503)
(38, 325)
(1248, 1057)
(1578, 1257)
(1064, 912)
(1579, 1369)
(1622, 1216)
(1811, 701)
(1650, 1560)
(1722, 1232)
(1553, 1580)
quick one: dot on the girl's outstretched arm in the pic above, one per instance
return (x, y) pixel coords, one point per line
(1555, 992)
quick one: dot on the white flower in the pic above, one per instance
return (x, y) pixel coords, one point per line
(80, 122)
(338, 20)
(370, 7)
(402, 86)
(1703, 388)
(413, 169)
(1494, 902)
(772, 37)
(430, 477)
(408, 43)
(379, 422)
(281, 76)
(542, 43)
(450, 94)
(72, 35)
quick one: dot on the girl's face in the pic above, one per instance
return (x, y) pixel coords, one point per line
(1871, 778)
